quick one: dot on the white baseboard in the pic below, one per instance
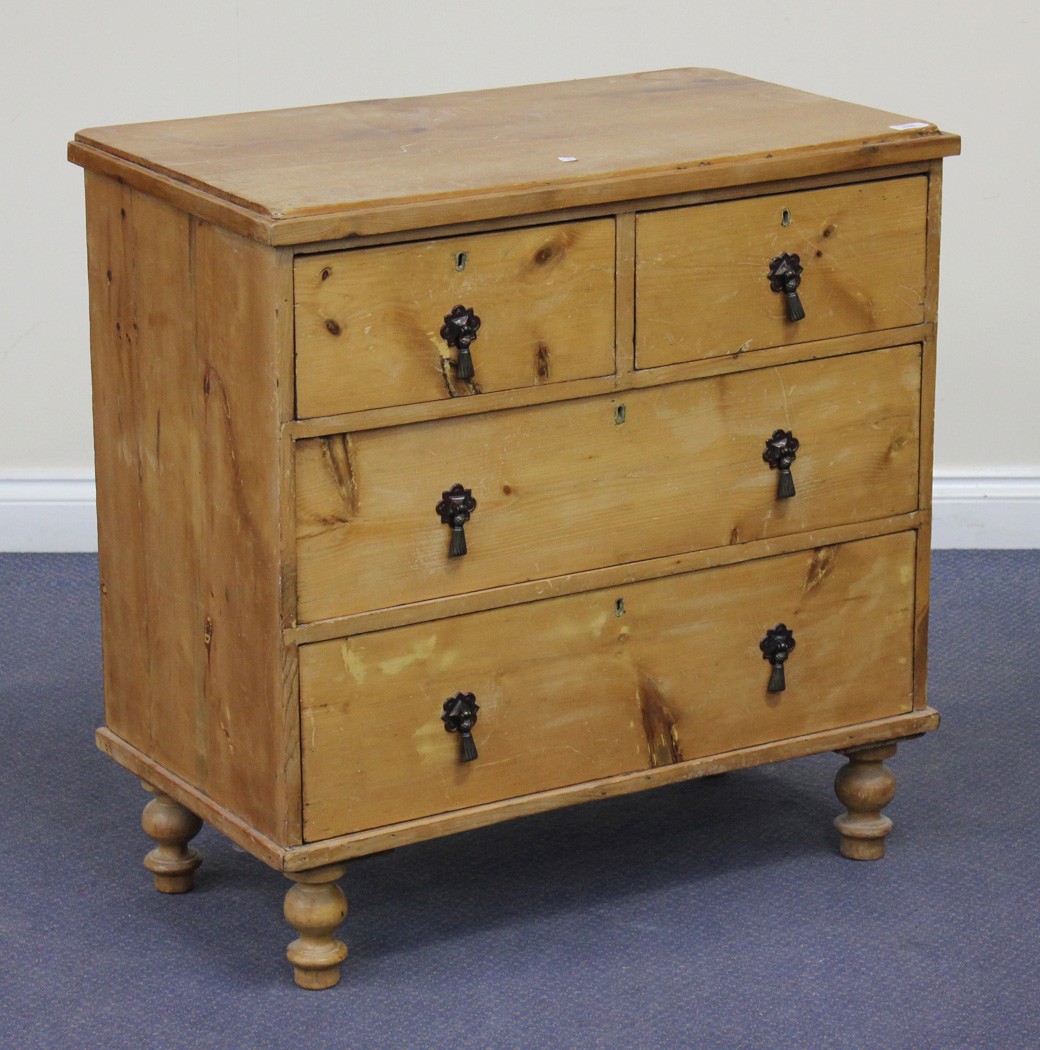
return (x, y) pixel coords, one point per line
(996, 511)
(46, 513)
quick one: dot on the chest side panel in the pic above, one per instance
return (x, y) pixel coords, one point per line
(188, 323)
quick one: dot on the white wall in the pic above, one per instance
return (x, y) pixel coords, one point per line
(971, 68)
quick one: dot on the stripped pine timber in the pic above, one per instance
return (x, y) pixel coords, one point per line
(610, 576)
(702, 287)
(928, 371)
(625, 298)
(379, 840)
(620, 208)
(159, 776)
(921, 609)
(360, 844)
(277, 417)
(683, 466)
(426, 162)
(368, 323)
(196, 673)
(929, 348)
(603, 683)
(739, 361)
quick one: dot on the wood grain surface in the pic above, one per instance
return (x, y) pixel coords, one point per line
(595, 579)
(702, 288)
(299, 175)
(368, 322)
(276, 418)
(190, 497)
(592, 685)
(565, 488)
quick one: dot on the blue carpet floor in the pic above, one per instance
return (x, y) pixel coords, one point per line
(711, 914)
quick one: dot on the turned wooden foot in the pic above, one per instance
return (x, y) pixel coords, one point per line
(865, 786)
(172, 862)
(314, 907)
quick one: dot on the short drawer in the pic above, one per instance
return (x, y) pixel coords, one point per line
(702, 273)
(586, 686)
(606, 480)
(368, 321)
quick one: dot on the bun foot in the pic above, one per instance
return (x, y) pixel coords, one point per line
(314, 907)
(865, 785)
(172, 862)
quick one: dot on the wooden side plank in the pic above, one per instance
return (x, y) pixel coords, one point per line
(244, 293)
(929, 347)
(928, 373)
(142, 320)
(184, 342)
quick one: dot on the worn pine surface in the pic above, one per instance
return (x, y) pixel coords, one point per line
(368, 321)
(625, 379)
(928, 370)
(187, 322)
(701, 272)
(373, 840)
(322, 172)
(563, 488)
(595, 579)
(592, 685)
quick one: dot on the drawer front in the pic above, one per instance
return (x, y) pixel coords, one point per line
(368, 321)
(568, 487)
(590, 685)
(702, 284)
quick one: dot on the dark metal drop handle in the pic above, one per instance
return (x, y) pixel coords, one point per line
(459, 331)
(460, 716)
(776, 647)
(781, 451)
(785, 274)
(455, 509)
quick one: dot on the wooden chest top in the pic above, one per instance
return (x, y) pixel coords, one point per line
(358, 168)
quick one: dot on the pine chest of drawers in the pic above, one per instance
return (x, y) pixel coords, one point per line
(466, 457)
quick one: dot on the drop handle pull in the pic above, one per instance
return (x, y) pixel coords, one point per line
(460, 716)
(455, 508)
(776, 647)
(781, 452)
(785, 274)
(459, 331)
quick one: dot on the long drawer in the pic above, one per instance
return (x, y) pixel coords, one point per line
(572, 486)
(702, 273)
(369, 320)
(575, 688)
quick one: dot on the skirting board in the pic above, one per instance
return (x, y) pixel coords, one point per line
(47, 513)
(1001, 511)
(57, 514)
